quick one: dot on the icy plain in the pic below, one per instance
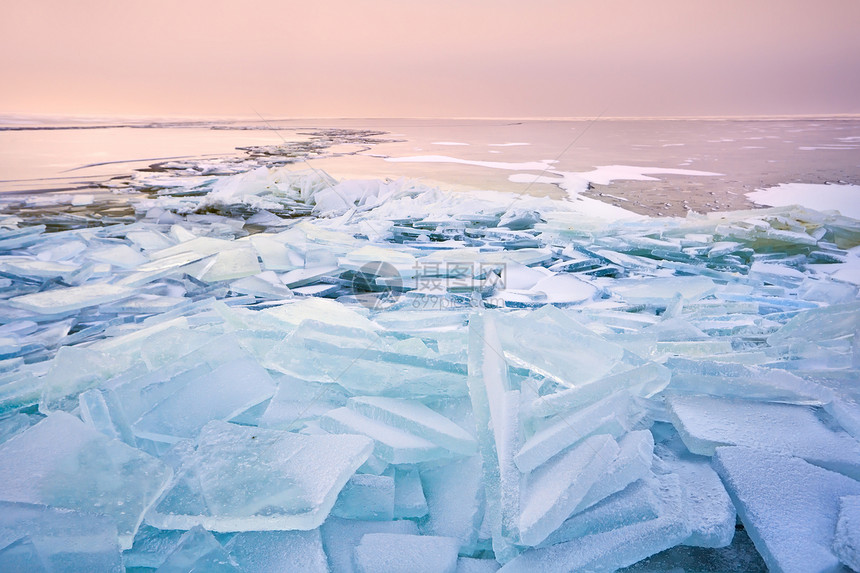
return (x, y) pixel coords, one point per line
(415, 380)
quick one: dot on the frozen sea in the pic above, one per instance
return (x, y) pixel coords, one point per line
(430, 345)
(744, 155)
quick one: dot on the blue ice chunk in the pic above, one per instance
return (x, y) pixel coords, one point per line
(151, 547)
(556, 488)
(633, 462)
(392, 444)
(636, 503)
(393, 553)
(660, 291)
(341, 536)
(242, 478)
(277, 551)
(296, 401)
(496, 410)
(610, 550)
(367, 497)
(12, 424)
(706, 423)
(741, 381)
(56, 540)
(65, 463)
(415, 417)
(70, 299)
(198, 550)
(409, 498)
(789, 507)
(611, 415)
(530, 342)
(645, 380)
(455, 501)
(101, 410)
(22, 555)
(220, 394)
(710, 512)
(846, 542)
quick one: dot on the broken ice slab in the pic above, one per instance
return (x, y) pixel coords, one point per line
(633, 462)
(69, 299)
(565, 289)
(59, 540)
(613, 415)
(776, 274)
(365, 496)
(555, 489)
(297, 401)
(455, 501)
(645, 380)
(274, 551)
(846, 542)
(415, 417)
(380, 261)
(710, 512)
(496, 411)
(23, 268)
(232, 264)
(819, 324)
(189, 356)
(264, 285)
(789, 507)
(362, 362)
(392, 444)
(705, 423)
(275, 255)
(121, 256)
(64, 463)
(219, 394)
(636, 503)
(151, 547)
(198, 550)
(330, 312)
(341, 536)
(101, 410)
(660, 291)
(738, 380)
(394, 553)
(610, 550)
(242, 478)
(531, 342)
(409, 498)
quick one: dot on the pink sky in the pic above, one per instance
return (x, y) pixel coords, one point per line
(397, 58)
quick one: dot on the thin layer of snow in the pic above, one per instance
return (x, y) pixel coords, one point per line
(842, 198)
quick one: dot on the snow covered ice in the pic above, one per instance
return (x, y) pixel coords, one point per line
(275, 370)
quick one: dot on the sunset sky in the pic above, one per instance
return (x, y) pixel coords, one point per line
(405, 58)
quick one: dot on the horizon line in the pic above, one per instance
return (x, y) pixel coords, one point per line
(156, 118)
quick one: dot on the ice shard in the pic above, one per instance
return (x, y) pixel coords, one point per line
(64, 463)
(241, 478)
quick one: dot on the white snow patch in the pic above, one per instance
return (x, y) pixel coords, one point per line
(842, 198)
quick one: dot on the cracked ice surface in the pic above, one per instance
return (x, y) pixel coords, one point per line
(278, 367)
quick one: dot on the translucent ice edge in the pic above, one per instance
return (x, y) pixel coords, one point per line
(415, 373)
